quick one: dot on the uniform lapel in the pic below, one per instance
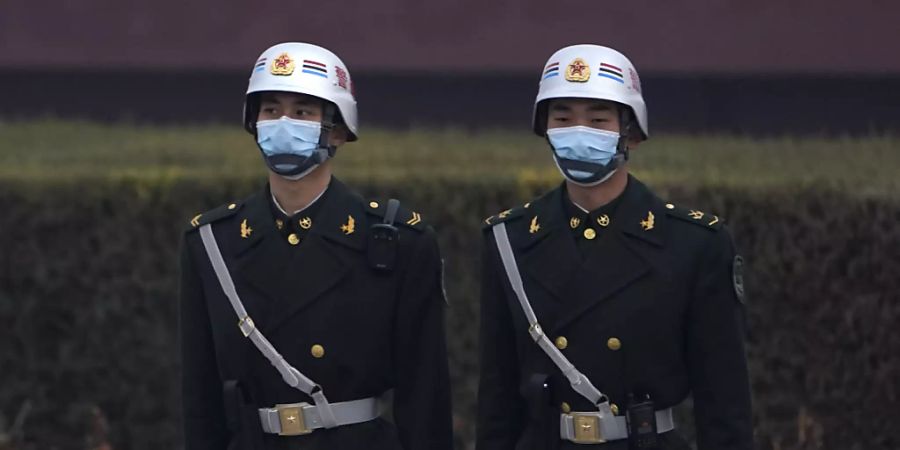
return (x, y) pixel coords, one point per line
(324, 258)
(617, 261)
(644, 218)
(261, 260)
(548, 256)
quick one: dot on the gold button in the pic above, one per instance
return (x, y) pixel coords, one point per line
(562, 342)
(589, 233)
(373, 204)
(670, 206)
(614, 409)
(565, 408)
(317, 351)
(293, 239)
(614, 344)
(232, 206)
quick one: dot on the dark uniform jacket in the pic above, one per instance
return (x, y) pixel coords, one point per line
(306, 283)
(641, 297)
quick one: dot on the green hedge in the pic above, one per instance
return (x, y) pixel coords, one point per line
(88, 323)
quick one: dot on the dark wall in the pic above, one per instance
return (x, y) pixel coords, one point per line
(761, 67)
(685, 36)
(757, 105)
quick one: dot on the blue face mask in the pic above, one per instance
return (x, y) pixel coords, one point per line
(586, 156)
(290, 147)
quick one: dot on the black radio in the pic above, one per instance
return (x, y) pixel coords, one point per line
(383, 241)
(641, 417)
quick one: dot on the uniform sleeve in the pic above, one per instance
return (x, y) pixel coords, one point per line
(501, 409)
(422, 410)
(203, 409)
(716, 358)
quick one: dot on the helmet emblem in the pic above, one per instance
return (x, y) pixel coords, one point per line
(578, 71)
(282, 65)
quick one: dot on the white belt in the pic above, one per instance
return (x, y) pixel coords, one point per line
(588, 428)
(302, 418)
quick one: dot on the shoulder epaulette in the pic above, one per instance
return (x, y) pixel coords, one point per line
(214, 215)
(504, 216)
(695, 216)
(405, 216)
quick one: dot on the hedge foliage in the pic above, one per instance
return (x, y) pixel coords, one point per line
(88, 341)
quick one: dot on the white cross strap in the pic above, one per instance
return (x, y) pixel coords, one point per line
(580, 383)
(588, 428)
(289, 374)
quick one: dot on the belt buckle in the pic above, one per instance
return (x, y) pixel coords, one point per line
(291, 418)
(587, 428)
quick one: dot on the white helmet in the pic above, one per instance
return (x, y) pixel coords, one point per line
(304, 69)
(589, 71)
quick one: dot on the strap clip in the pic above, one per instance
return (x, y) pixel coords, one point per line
(247, 326)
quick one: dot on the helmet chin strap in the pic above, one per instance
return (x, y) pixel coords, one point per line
(327, 128)
(625, 131)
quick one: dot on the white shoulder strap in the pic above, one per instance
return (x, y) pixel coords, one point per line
(579, 382)
(289, 374)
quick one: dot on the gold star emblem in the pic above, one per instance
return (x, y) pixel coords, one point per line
(535, 226)
(578, 71)
(245, 229)
(282, 65)
(696, 215)
(574, 222)
(279, 223)
(647, 223)
(603, 220)
(305, 223)
(350, 226)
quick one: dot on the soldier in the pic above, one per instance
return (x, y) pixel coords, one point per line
(302, 305)
(602, 306)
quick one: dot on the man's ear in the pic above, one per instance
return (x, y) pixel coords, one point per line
(634, 139)
(339, 135)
